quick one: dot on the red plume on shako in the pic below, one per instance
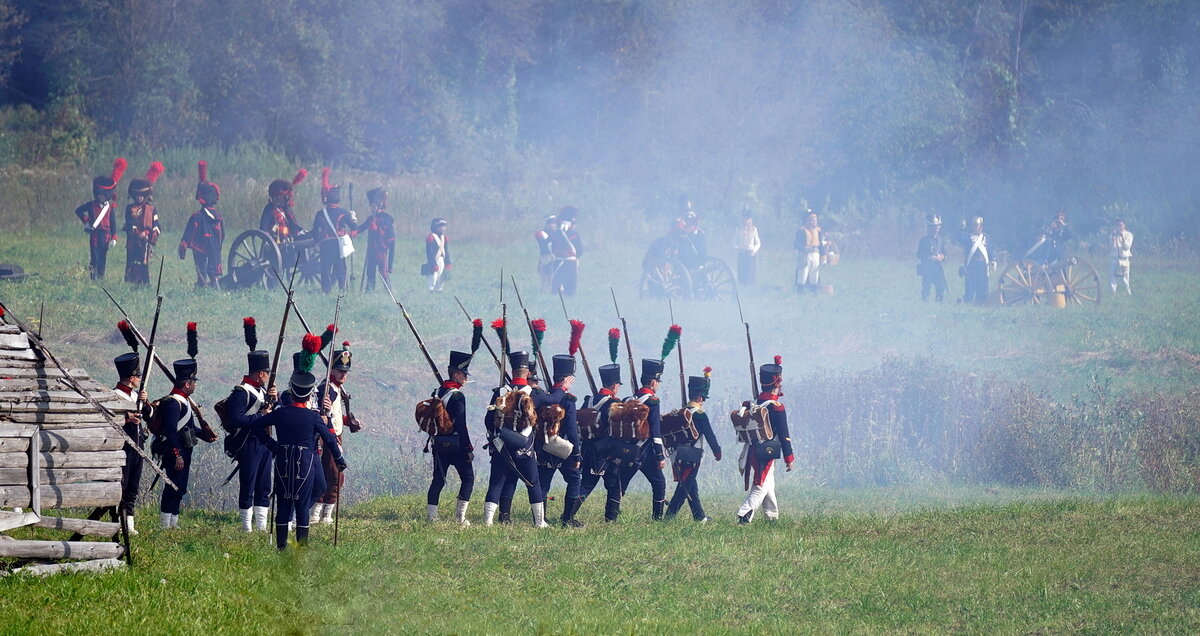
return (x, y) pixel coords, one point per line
(193, 340)
(127, 332)
(250, 332)
(576, 337)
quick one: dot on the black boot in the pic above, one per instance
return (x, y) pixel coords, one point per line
(281, 534)
(658, 509)
(745, 519)
(612, 510)
(569, 510)
(506, 510)
(302, 535)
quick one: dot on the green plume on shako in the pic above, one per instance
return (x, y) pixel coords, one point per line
(671, 340)
(614, 339)
(309, 347)
(539, 334)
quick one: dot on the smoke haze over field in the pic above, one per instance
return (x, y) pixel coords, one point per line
(874, 111)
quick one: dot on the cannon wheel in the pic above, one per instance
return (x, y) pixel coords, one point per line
(713, 280)
(309, 262)
(1024, 282)
(668, 279)
(1081, 280)
(251, 258)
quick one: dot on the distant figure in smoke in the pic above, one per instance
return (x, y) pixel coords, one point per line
(546, 251)
(690, 241)
(810, 242)
(975, 262)
(437, 255)
(567, 249)
(97, 218)
(931, 252)
(381, 239)
(1120, 246)
(1052, 245)
(748, 245)
(141, 226)
(205, 233)
(334, 228)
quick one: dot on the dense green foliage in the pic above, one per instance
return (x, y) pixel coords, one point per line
(876, 111)
(861, 562)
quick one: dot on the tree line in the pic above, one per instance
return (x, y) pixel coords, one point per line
(874, 111)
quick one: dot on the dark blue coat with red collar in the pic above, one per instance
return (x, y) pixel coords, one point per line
(456, 408)
(654, 420)
(779, 423)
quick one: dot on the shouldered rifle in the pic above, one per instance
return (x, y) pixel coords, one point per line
(503, 335)
(628, 347)
(586, 369)
(153, 333)
(749, 345)
(683, 396)
(296, 310)
(337, 310)
(483, 337)
(413, 328)
(541, 360)
(287, 310)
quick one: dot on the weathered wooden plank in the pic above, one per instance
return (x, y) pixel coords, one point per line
(81, 526)
(13, 341)
(20, 385)
(90, 495)
(59, 396)
(13, 429)
(14, 444)
(10, 520)
(95, 565)
(7, 328)
(56, 459)
(16, 476)
(61, 549)
(11, 407)
(88, 418)
(10, 354)
(99, 438)
(35, 482)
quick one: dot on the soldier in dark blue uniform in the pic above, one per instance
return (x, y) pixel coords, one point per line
(331, 223)
(249, 401)
(511, 448)
(456, 449)
(564, 377)
(651, 457)
(540, 398)
(931, 252)
(297, 428)
(180, 432)
(686, 462)
(595, 458)
(129, 372)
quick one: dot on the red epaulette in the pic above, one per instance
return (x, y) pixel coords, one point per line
(777, 406)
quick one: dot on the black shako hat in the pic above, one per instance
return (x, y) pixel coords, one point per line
(128, 365)
(699, 385)
(651, 369)
(342, 357)
(301, 384)
(564, 365)
(258, 361)
(610, 374)
(518, 359)
(769, 374)
(185, 370)
(460, 361)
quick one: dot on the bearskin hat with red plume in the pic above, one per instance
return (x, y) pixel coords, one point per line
(145, 185)
(330, 192)
(108, 183)
(207, 193)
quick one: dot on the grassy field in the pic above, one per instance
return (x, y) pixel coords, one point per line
(1145, 343)
(939, 561)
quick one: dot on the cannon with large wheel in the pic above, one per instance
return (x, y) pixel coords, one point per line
(1068, 281)
(665, 274)
(253, 254)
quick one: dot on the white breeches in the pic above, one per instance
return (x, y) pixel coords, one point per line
(808, 270)
(762, 495)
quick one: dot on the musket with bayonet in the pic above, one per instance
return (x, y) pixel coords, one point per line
(679, 348)
(483, 338)
(494, 433)
(299, 314)
(628, 347)
(287, 310)
(413, 328)
(541, 360)
(749, 346)
(586, 368)
(153, 332)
